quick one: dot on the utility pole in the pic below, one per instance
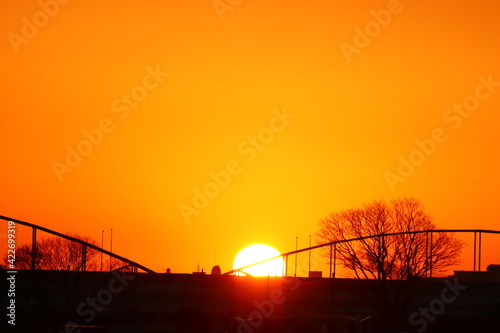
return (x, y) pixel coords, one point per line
(296, 248)
(309, 274)
(111, 249)
(102, 246)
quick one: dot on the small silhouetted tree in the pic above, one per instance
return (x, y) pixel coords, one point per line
(58, 254)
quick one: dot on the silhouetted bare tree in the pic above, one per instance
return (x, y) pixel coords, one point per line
(58, 254)
(390, 257)
(405, 257)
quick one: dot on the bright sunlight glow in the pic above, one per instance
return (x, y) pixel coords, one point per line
(255, 253)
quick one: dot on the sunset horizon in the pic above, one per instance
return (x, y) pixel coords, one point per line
(176, 134)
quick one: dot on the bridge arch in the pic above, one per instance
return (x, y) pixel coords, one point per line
(84, 245)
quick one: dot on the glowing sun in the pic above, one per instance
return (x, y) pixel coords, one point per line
(255, 253)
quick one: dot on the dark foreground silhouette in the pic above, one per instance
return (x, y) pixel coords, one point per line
(64, 301)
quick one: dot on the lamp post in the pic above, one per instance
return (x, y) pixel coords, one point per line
(296, 248)
(111, 249)
(309, 274)
(102, 246)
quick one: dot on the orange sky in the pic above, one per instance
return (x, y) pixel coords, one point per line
(204, 81)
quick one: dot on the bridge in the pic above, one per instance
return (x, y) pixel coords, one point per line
(477, 234)
(477, 237)
(85, 245)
